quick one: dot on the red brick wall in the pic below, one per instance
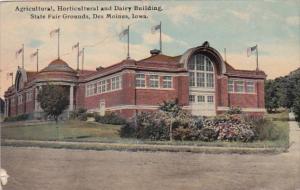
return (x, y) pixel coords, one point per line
(245, 100)
(222, 92)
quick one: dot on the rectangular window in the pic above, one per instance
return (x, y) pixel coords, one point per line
(140, 80)
(192, 78)
(200, 80)
(167, 82)
(210, 99)
(108, 85)
(201, 98)
(250, 87)
(118, 82)
(210, 80)
(28, 96)
(101, 87)
(90, 89)
(20, 99)
(230, 86)
(239, 86)
(113, 83)
(192, 98)
(153, 81)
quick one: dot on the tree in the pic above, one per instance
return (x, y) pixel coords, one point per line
(271, 96)
(53, 100)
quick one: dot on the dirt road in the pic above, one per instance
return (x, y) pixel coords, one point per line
(54, 169)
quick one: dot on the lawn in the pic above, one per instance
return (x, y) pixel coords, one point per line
(69, 130)
(95, 132)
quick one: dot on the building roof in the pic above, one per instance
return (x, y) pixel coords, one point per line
(58, 65)
(161, 58)
(231, 71)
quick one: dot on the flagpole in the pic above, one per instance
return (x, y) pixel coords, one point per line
(256, 57)
(160, 43)
(82, 59)
(128, 44)
(58, 42)
(78, 57)
(37, 60)
(225, 55)
(23, 56)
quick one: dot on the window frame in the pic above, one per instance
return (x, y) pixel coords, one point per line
(241, 85)
(192, 98)
(140, 82)
(154, 81)
(202, 67)
(252, 86)
(167, 83)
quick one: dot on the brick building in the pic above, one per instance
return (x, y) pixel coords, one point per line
(200, 79)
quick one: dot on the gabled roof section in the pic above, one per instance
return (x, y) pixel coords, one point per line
(161, 58)
(230, 71)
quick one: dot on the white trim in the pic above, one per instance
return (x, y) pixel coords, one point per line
(148, 88)
(223, 108)
(162, 73)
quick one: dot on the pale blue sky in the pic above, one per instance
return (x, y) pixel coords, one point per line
(234, 25)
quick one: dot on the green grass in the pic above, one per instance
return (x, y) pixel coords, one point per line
(61, 131)
(80, 131)
(281, 115)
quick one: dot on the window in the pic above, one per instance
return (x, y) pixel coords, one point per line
(210, 99)
(20, 99)
(118, 82)
(113, 83)
(192, 98)
(230, 86)
(250, 87)
(201, 79)
(239, 86)
(192, 78)
(209, 80)
(167, 82)
(153, 81)
(90, 89)
(29, 96)
(108, 84)
(201, 71)
(201, 98)
(101, 86)
(140, 80)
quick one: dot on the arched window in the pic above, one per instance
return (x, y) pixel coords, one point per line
(201, 71)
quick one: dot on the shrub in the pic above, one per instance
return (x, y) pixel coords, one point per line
(110, 118)
(128, 131)
(17, 118)
(208, 134)
(234, 110)
(79, 114)
(266, 129)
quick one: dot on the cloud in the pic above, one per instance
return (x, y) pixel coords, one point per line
(293, 20)
(153, 38)
(178, 14)
(241, 15)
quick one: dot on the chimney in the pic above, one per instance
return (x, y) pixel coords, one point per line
(99, 68)
(154, 52)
